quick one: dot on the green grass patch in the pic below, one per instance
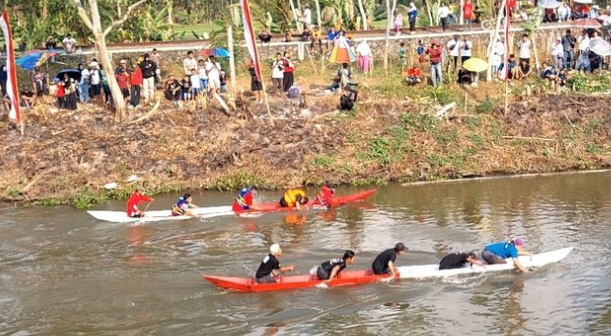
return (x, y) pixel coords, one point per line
(324, 161)
(238, 180)
(12, 192)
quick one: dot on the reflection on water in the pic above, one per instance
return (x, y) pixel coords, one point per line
(63, 273)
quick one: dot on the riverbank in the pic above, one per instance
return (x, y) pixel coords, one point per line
(393, 134)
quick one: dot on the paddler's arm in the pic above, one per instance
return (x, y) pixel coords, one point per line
(524, 253)
(518, 265)
(297, 205)
(284, 269)
(334, 272)
(393, 272)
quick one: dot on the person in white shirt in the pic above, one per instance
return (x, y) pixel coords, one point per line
(189, 64)
(203, 76)
(94, 74)
(524, 46)
(69, 44)
(307, 17)
(466, 47)
(584, 41)
(364, 53)
(196, 84)
(557, 52)
(278, 72)
(84, 84)
(453, 47)
(443, 14)
(213, 70)
(498, 52)
(564, 12)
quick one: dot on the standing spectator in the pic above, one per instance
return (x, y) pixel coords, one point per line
(51, 45)
(122, 76)
(156, 58)
(223, 80)
(136, 81)
(106, 88)
(557, 52)
(196, 84)
(278, 72)
(420, 51)
(289, 69)
(443, 14)
(149, 71)
(69, 44)
(498, 51)
(307, 17)
(213, 70)
(564, 12)
(454, 48)
(402, 56)
(524, 47)
(568, 45)
(84, 84)
(331, 35)
(189, 63)
(434, 53)
(593, 14)
(255, 83)
(187, 90)
(172, 90)
(584, 42)
(60, 92)
(363, 52)
(3, 79)
(203, 75)
(94, 73)
(70, 92)
(398, 23)
(412, 13)
(40, 82)
(467, 13)
(466, 46)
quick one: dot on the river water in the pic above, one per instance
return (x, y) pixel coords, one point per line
(64, 273)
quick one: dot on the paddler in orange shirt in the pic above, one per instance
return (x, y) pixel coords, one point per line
(294, 198)
(133, 201)
(326, 194)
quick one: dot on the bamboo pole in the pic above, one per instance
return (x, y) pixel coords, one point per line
(318, 16)
(493, 40)
(232, 73)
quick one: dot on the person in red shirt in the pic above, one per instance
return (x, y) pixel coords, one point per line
(326, 194)
(136, 81)
(244, 200)
(413, 76)
(289, 69)
(132, 204)
(122, 76)
(467, 13)
(434, 52)
(61, 93)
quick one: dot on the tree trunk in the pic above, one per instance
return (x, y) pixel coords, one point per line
(461, 20)
(493, 36)
(386, 41)
(231, 60)
(44, 8)
(295, 17)
(363, 14)
(318, 14)
(429, 12)
(117, 96)
(170, 6)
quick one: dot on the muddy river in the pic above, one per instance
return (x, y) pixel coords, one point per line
(64, 273)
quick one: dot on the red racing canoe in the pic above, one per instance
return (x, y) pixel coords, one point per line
(335, 202)
(345, 278)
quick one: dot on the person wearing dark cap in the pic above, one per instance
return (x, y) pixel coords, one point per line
(384, 263)
(496, 253)
(326, 194)
(149, 71)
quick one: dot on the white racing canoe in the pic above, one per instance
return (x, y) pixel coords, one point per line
(160, 215)
(432, 271)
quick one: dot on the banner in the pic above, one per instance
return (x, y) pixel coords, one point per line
(249, 36)
(11, 82)
(506, 26)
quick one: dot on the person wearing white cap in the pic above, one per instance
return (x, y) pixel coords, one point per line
(270, 267)
(496, 253)
(557, 53)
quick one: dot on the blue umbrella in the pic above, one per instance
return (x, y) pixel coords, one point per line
(34, 58)
(216, 52)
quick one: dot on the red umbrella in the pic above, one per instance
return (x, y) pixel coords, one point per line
(216, 52)
(586, 23)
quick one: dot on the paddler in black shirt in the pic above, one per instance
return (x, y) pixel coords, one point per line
(458, 260)
(270, 266)
(384, 262)
(328, 270)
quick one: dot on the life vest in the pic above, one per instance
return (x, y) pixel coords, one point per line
(290, 196)
(177, 209)
(324, 195)
(241, 198)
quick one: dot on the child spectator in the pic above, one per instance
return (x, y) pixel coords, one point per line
(414, 75)
(195, 83)
(136, 85)
(61, 93)
(223, 80)
(278, 72)
(402, 56)
(172, 90)
(203, 75)
(187, 92)
(420, 51)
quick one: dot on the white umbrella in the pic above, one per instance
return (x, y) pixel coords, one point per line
(583, 1)
(600, 47)
(549, 4)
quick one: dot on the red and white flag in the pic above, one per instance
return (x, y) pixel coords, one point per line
(506, 27)
(11, 82)
(249, 36)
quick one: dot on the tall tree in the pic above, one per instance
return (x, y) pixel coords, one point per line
(92, 20)
(389, 15)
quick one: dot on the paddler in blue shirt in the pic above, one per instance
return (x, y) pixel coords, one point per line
(329, 270)
(181, 208)
(496, 253)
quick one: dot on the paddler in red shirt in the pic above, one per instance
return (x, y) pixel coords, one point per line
(132, 204)
(326, 194)
(244, 200)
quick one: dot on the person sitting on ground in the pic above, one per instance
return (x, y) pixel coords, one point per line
(244, 200)
(511, 67)
(306, 36)
(326, 194)
(384, 263)
(496, 253)
(414, 76)
(288, 36)
(464, 76)
(342, 79)
(458, 260)
(265, 36)
(172, 90)
(316, 38)
(270, 267)
(132, 204)
(549, 74)
(294, 198)
(524, 70)
(182, 206)
(27, 97)
(330, 269)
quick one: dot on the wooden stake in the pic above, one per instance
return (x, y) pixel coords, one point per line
(231, 59)
(506, 92)
(311, 60)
